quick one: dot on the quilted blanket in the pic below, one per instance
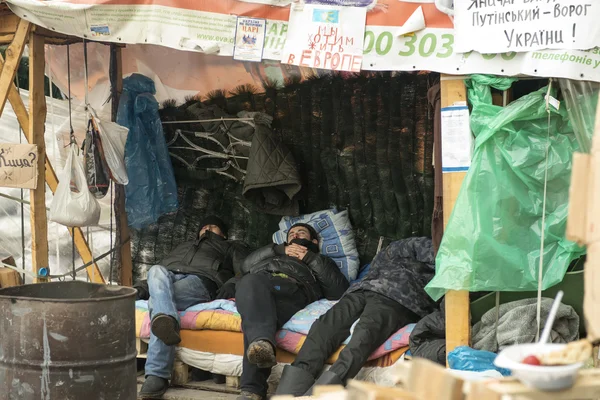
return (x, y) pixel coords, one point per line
(222, 315)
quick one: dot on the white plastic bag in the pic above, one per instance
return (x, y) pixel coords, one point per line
(113, 138)
(74, 208)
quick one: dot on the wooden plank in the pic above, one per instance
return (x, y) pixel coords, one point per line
(578, 196)
(52, 180)
(37, 105)
(13, 58)
(363, 390)
(141, 347)
(123, 234)
(233, 382)
(428, 380)
(181, 373)
(9, 277)
(458, 324)
(586, 387)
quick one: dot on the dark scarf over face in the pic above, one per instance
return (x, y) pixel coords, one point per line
(306, 243)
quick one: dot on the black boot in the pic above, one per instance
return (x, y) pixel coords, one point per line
(294, 381)
(326, 378)
(166, 329)
(153, 388)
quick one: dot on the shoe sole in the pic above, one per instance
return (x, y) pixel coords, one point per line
(261, 357)
(151, 396)
(164, 328)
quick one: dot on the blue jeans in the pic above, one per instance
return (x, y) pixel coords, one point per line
(169, 293)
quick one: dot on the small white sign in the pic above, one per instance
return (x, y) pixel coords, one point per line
(457, 140)
(249, 39)
(326, 37)
(497, 26)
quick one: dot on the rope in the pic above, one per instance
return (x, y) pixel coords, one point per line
(71, 142)
(111, 234)
(22, 197)
(543, 235)
(72, 132)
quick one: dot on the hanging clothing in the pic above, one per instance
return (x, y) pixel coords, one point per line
(437, 222)
(152, 190)
(272, 180)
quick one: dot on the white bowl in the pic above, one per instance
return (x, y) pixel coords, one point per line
(538, 377)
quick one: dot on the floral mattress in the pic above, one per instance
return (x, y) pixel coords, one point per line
(222, 315)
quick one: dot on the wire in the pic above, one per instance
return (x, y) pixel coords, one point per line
(72, 142)
(543, 233)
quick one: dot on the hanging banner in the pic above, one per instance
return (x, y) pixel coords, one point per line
(249, 39)
(326, 37)
(18, 165)
(209, 26)
(496, 26)
(434, 50)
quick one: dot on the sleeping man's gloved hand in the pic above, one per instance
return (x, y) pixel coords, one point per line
(227, 291)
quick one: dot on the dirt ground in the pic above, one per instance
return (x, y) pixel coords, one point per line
(176, 393)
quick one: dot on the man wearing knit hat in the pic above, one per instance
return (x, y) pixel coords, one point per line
(191, 274)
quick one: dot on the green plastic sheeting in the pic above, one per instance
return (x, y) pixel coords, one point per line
(492, 241)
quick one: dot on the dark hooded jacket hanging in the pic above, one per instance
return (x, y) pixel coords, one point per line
(272, 180)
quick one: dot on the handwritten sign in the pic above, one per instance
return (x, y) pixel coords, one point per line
(326, 37)
(18, 165)
(497, 26)
(250, 39)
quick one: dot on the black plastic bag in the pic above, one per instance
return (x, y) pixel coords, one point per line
(96, 170)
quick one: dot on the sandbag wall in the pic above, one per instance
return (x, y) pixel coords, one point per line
(362, 143)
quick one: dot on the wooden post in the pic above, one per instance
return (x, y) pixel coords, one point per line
(50, 177)
(13, 58)
(37, 107)
(458, 324)
(123, 234)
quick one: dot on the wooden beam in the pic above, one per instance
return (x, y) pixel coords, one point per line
(52, 180)
(458, 322)
(13, 58)
(123, 234)
(37, 105)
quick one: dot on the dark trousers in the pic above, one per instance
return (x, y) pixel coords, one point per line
(379, 317)
(265, 302)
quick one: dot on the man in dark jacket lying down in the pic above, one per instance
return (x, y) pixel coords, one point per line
(389, 297)
(190, 274)
(280, 280)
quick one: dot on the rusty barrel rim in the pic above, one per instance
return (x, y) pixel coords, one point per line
(12, 293)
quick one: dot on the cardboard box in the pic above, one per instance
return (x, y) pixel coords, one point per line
(18, 165)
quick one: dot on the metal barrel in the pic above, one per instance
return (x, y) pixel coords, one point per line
(67, 341)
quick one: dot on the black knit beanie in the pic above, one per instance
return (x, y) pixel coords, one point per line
(311, 230)
(214, 220)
